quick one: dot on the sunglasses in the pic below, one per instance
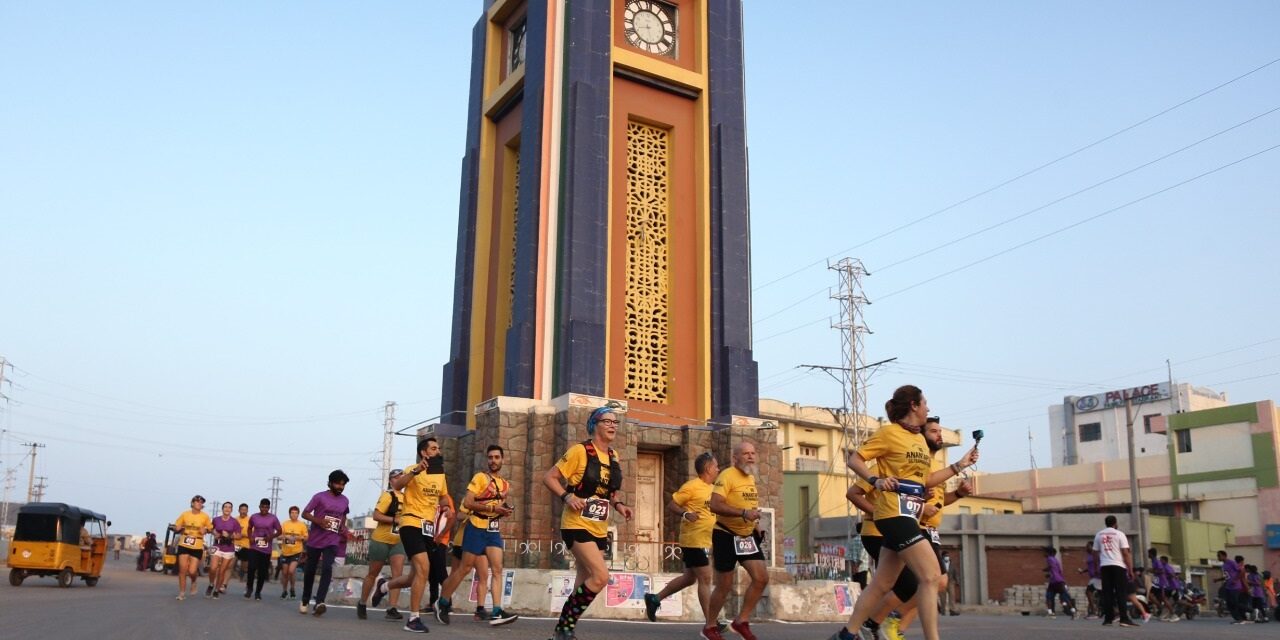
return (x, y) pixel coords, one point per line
(607, 421)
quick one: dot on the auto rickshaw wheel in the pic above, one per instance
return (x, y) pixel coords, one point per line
(16, 576)
(65, 577)
(93, 582)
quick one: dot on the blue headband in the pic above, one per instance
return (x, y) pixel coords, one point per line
(595, 416)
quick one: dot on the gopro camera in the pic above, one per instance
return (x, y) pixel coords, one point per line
(977, 437)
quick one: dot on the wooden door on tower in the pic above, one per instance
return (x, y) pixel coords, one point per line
(648, 508)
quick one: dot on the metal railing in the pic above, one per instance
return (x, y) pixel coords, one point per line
(637, 556)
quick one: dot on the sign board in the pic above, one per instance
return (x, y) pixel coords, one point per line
(1273, 536)
(1112, 399)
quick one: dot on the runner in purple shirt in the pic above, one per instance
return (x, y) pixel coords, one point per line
(225, 531)
(1057, 584)
(327, 511)
(1257, 595)
(1095, 580)
(1232, 591)
(1160, 589)
(263, 528)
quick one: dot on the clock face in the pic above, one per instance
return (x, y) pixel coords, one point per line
(650, 26)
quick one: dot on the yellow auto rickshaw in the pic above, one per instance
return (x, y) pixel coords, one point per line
(56, 539)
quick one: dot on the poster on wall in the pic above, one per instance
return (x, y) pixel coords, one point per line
(626, 591)
(560, 588)
(508, 588)
(845, 597)
(672, 607)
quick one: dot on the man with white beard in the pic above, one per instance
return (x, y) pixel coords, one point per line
(736, 540)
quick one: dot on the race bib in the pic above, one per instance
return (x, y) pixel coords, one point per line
(395, 528)
(260, 543)
(910, 498)
(428, 529)
(596, 509)
(493, 526)
(188, 541)
(332, 524)
(933, 536)
(745, 545)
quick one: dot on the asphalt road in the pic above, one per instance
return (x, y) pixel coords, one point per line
(131, 605)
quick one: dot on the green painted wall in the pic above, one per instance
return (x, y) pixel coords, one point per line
(1210, 417)
(791, 509)
(1264, 451)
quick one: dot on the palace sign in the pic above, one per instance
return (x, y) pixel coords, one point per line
(1112, 399)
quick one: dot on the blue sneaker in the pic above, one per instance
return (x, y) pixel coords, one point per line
(651, 604)
(443, 607)
(415, 625)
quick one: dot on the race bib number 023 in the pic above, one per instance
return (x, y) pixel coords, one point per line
(596, 509)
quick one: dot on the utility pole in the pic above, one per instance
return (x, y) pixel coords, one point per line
(1031, 447)
(31, 477)
(1135, 508)
(388, 438)
(3, 364)
(40, 487)
(275, 492)
(10, 477)
(852, 327)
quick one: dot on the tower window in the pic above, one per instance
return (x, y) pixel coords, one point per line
(1091, 432)
(647, 297)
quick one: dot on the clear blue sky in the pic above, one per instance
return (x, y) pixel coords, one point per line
(227, 231)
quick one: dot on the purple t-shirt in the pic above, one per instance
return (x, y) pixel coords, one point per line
(1255, 586)
(1157, 573)
(1055, 570)
(1091, 567)
(224, 532)
(333, 511)
(262, 530)
(1231, 571)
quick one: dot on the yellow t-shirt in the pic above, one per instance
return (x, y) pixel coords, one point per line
(191, 529)
(695, 496)
(898, 454)
(937, 495)
(298, 530)
(739, 492)
(383, 532)
(868, 522)
(243, 542)
(421, 497)
(594, 518)
(490, 491)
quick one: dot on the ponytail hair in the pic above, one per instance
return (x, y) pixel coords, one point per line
(900, 404)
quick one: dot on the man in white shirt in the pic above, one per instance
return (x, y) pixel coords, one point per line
(1111, 548)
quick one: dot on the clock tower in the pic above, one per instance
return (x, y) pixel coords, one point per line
(604, 237)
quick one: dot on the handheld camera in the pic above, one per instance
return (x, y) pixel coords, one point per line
(977, 437)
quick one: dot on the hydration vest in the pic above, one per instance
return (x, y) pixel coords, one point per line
(590, 483)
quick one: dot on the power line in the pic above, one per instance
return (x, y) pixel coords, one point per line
(1020, 176)
(1077, 192)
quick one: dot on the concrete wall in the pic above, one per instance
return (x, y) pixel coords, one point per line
(1216, 448)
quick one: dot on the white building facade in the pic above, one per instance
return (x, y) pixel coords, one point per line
(1087, 429)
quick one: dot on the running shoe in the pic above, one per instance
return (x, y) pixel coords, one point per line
(378, 591)
(284, 594)
(568, 635)
(362, 612)
(443, 607)
(651, 604)
(869, 633)
(1128, 623)
(1146, 617)
(248, 594)
(302, 608)
(182, 596)
(843, 634)
(743, 629)
(480, 615)
(216, 594)
(1050, 614)
(415, 625)
(711, 633)
(891, 630)
(319, 610)
(208, 591)
(429, 610)
(257, 596)
(500, 617)
(293, 595)
(393, 614)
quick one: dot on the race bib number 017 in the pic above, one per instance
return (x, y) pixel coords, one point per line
(596, 509)
(910, 505)
(745, 545)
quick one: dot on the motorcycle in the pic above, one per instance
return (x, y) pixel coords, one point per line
(1189, 604)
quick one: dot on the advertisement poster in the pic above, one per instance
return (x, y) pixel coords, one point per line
(626, 591)
(560, 588)
(508, 587)
(844, 599)
(672, 607)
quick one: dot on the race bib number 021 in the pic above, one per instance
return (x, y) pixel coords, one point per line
(596, 509)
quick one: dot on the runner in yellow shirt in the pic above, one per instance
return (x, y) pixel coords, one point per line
(903, 457)
(693, 502)
(587, 480)
(191, 527)
(423, 484)
(735, 540)
(292, 534)
(384, 548)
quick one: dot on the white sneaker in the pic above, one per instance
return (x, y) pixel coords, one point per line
(302, 608)
(1049, 613)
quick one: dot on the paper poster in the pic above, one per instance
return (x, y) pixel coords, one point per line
(508, 587)
(673, 606)
(560, 588)
(844, 599)
(626, 591)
